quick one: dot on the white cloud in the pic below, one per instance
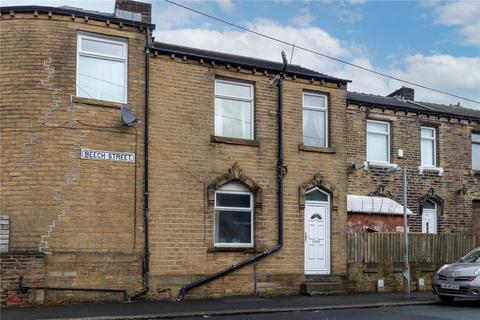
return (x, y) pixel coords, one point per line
(303, 19)
(356, 2)
(459, 75)
(462, 14)
(173, 17)
(226, 5)
(342, 11)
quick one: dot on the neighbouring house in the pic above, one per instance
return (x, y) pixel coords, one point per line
(439, 146)
(132, 168)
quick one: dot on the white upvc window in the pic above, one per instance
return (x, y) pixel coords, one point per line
(233, 216)
(378, 141)
(428, 147)
(102, 67)
(315, 120)
(476, 151)
(234, 109)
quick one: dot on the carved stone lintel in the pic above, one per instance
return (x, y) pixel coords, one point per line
(316, 181)
(381, 191)
(235, 173)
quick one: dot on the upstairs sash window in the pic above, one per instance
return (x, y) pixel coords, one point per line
(378, 141)
(315, 120)
(234, 109)
(102, 68)
(428, 147)
(476, 151)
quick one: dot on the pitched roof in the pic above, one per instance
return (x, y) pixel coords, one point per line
(414, 106)
(243, 61)
(67, 10)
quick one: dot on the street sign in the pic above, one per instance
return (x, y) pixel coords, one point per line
(88, 154)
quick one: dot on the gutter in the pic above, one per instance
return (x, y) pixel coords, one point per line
(146, 208)
(281, 172)
(250, 66)
(417, 109)
(80, 13)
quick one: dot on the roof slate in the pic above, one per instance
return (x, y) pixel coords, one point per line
(414, 106)
(292, 69)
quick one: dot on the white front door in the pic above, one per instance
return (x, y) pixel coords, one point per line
(317, 238)
(429, 221)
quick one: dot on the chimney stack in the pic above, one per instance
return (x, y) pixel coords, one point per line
(133, 10)
(403, 93)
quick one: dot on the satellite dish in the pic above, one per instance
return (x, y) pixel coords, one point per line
(128, 118)
(356, 164)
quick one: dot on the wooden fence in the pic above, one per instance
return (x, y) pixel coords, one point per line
(423, 248)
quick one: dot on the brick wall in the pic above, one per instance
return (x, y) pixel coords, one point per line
(453, 155)
(13, 266)
(184, 161)
(57, 202)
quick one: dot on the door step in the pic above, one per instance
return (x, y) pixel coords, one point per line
(314, 288)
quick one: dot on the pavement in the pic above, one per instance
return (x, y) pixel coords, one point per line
(243, 305)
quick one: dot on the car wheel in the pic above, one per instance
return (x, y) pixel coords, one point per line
(446, 298)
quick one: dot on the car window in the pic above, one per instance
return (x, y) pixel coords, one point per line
(472, 257)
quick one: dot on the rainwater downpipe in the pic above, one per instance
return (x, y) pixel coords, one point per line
(281, 171)
(146, 208)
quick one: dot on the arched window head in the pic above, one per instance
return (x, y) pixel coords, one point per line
(428, 204)
(233, 186)
(316, 195)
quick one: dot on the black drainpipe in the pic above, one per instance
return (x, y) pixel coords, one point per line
(281, 171)
(146, 252)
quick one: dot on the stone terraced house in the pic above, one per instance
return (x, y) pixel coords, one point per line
(134, 168)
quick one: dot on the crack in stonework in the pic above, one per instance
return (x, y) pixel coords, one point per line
(73, 173)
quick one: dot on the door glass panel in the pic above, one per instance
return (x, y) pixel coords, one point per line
(428, 205)
(316, 195)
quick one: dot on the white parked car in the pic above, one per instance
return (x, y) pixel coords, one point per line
(460, 279)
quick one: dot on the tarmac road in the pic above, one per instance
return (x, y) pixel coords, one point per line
(462, 310)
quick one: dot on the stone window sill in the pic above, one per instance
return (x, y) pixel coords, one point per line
(475, 173)
(228, 140)
(98, 103)
(379, 164)
(303, 147)
(234, 249)
(437, 170)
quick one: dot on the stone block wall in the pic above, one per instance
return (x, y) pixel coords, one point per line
(15, 265)
(453, 155)
(185, 160)
(363, 277)
(59, 204)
